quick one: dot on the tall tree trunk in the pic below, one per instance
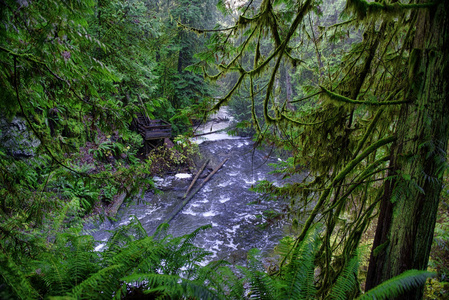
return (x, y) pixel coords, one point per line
(409, 206)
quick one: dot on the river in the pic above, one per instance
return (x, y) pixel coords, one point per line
(224, 201)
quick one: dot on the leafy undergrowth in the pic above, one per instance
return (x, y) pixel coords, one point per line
(174, 157)
(107, 166)
(66, 266)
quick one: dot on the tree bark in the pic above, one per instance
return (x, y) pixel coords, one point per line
(409, 206)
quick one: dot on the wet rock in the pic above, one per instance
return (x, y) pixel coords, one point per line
(238, 256)
(17, 139)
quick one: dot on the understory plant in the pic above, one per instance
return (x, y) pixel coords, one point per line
(172, 157)
(66, 266)
(296, 277)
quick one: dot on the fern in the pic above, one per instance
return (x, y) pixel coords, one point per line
(397, 285)
(222, 279)
(347, 281)
(182, 253)
(299, 273)
(98, 286)
(173, 286)
(262, 286)
(297, 280)
(15, 278)
(165, 266)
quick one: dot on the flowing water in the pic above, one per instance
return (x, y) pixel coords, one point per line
(224, 201)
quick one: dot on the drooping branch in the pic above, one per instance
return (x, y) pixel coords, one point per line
(340, 98)
(281, 49)
(368, 132)
(202, 31)
(362, 8)
(305, 98)
(339, 178)
(225, 99)
(351, 165)
(368, 172)
(253, 107)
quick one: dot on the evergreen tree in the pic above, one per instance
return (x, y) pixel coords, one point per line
(183, 94)
(418, 156)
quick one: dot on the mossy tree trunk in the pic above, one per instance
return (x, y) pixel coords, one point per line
(410, 202)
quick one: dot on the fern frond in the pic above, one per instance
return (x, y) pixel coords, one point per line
(172, 286)
(262, 286)
(397, 285)
(98, 285)
(222, 279)
(14, 277)
(161, 231)
(183, 254)
(124, 235)
(299, 273)
(346, 281)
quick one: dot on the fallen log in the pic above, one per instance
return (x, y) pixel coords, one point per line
(117, 204)
(184, 203)
(196, 178)
(210, 132)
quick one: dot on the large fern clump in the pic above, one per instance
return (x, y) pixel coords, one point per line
(297, 276)
(161, 266)
(133, 263)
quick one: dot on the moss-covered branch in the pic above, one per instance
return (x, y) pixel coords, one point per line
(281, 49)
(368, 132)
(305, 98)
(363, 8)
(340, 98)
(231, 92)
(253, 107)
(368, 172)
(340, 177)
(351, 165)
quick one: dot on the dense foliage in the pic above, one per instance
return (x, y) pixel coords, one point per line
(336, 85)
(134, 264)
(72, 76)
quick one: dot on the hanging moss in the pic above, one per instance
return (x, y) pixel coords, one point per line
(363, 8)
(339, 98)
